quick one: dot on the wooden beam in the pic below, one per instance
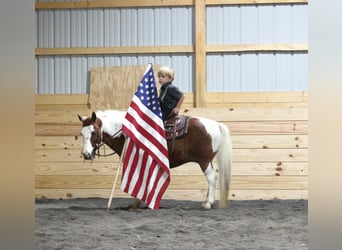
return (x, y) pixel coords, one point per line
(228, 48)
(153, 3)
(264, 141)
(264, 127)
(254, 2)
(236, 127)
(200, 55)
(115, 50)
(224, 98)
(240, 155)
(175, 194)
(251, 114)
(256, 47)
(111, 4)
(192, 168)
(270, 141)
(236, 194)
(177, 182)
(61, 99)
(218, 114)
(258, 97)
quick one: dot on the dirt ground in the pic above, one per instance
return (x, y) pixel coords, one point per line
(87, 224)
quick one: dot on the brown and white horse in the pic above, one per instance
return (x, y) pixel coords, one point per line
(204, 140)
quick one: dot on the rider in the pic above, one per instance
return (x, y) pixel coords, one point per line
(170, 97)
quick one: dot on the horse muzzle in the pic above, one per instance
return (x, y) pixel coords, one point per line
(89, 156)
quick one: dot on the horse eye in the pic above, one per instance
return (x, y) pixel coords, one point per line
(93, 133)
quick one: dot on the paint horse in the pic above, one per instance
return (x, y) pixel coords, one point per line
(204, 140)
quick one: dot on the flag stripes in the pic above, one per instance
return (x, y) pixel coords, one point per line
(146, 173)
(146, 134)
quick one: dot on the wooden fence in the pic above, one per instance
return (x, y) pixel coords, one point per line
(270, 148)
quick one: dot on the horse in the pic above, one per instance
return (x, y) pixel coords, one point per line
(204, 140)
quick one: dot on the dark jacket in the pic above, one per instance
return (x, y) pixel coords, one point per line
(169, 96)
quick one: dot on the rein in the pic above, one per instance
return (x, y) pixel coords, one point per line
(98, 146)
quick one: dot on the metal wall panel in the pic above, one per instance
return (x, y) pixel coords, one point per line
(62, 75)
(249, 72)
(46, 72)
(112, 27)
(300, 23)
(62, 29)
(267, 71)
(266, 24)
(70, 75)
(145, 31)
(129, 27)
(95, 28)
(215, 33)
(79, 29)
(162, 26)
(45, 29)
(249, 25)
(300, 71)
(259, 24)
(235, 24)
(231, 29)
(79, 75)
(182, 26)
(285, 23)
(257, 72)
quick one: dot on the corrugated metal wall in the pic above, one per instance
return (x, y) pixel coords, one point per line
(265, 24)
(245, 24)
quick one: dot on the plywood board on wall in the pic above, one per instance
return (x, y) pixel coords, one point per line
(114, 87)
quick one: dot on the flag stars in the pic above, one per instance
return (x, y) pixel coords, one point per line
(148, 94)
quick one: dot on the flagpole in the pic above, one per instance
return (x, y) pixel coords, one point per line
(117, 174)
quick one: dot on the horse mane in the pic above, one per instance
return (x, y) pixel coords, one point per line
(111, 120)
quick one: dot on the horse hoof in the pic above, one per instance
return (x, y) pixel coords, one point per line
(135, 205)
(206, 205)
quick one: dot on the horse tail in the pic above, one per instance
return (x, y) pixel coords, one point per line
(224, 158)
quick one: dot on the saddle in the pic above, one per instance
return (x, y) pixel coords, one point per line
(176, 127)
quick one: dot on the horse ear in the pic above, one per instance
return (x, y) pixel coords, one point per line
(80, 118)
(93, 116)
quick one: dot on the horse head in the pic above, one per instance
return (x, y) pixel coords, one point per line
(92, 135)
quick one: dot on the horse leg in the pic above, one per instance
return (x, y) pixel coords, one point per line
(134, 206)
(210, 174)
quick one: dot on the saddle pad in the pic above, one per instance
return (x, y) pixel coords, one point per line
(176, 127)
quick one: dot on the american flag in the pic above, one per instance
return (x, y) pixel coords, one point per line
(146, 171)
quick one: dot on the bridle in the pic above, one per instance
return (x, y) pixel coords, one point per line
(99, 145)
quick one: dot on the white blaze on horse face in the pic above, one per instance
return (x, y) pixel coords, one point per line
(213, 129)
(86, 134)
